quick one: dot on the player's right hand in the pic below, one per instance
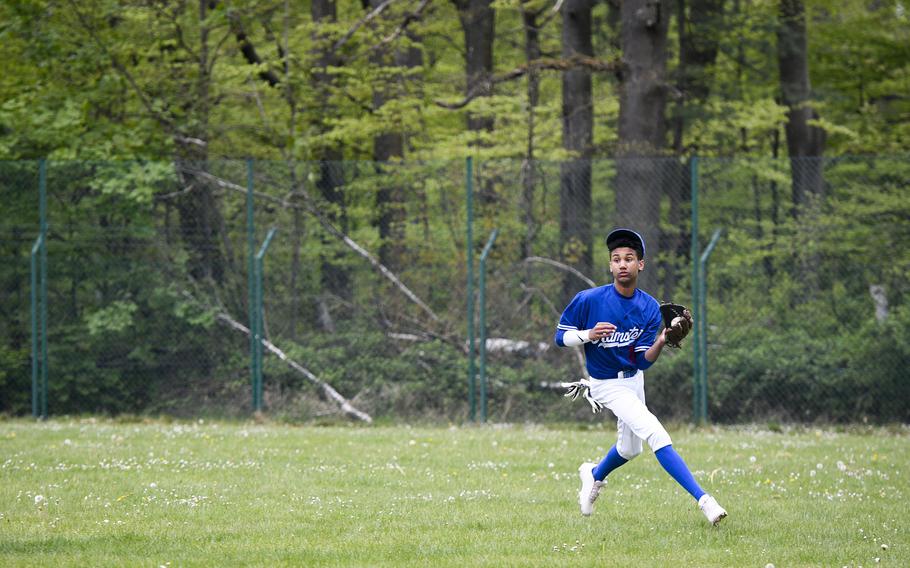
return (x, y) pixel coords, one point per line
(601, 330)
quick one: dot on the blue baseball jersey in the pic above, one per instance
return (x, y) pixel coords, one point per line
(637, 320)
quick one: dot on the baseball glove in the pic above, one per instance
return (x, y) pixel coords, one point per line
(678, 321)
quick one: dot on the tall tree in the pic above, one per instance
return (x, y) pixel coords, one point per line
(642, 126)
(328, 156)
(394, 60)
(478, 23)
(178, 92)
(805, 142)
(529, 19)
(699, 30)
(577, 136)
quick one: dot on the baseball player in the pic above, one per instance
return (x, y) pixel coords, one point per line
(620, 328)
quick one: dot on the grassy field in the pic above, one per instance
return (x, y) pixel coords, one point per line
(103, 493)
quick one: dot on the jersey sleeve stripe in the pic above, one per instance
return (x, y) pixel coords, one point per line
(566, 327)
(642, 348)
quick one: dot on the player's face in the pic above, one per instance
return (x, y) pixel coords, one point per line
(625, 266)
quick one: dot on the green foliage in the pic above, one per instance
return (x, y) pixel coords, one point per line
(114, 93)
(114, 318)
(98, 80)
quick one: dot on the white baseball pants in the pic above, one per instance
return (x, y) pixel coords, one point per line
(625, 398)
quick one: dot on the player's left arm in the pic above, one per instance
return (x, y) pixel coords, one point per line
(652, 341)
(653, 352)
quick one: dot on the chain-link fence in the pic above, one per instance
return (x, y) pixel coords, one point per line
(365, 284)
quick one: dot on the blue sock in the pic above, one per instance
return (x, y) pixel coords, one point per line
(610, 462)
(676, 467)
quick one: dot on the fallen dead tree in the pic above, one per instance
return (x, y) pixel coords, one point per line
(327, 389)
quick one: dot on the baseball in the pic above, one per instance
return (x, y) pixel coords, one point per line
(676, 321)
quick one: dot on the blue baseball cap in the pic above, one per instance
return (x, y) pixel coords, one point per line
(626, 238)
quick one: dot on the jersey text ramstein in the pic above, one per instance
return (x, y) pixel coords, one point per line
(620, 339)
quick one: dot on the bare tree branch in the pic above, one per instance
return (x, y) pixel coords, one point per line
(552, 14)
(357, 25)
(327, 389)
(248, 50)
(408, 19)
(574, 62)
(579, 351)
(310, 207)
(562, 266)
(172, 195)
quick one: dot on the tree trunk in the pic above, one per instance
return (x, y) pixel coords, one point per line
(390, 145)
(200, 217)
(477, 21)
(642, 104)
(699, 34)
(699, 30)
(334, 278)
(577, 136)
(805, 143)
(529, 168)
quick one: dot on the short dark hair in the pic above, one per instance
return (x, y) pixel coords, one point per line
(628, 243)
(626, 238)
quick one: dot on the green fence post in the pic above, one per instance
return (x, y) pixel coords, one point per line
(42, 211)
(696, 357)
(251, 274)
(483, 325)
(257, 383)
(33, 276)
(702, 324)
(469, 205)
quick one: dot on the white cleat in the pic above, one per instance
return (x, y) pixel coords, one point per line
(713, 512)
(590, 488)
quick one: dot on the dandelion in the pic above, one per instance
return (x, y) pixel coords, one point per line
(39, 499)
(841, 466)
(752, 459)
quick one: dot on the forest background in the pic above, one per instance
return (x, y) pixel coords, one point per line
(353, 121)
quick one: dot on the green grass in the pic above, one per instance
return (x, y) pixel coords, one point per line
(218, 494)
